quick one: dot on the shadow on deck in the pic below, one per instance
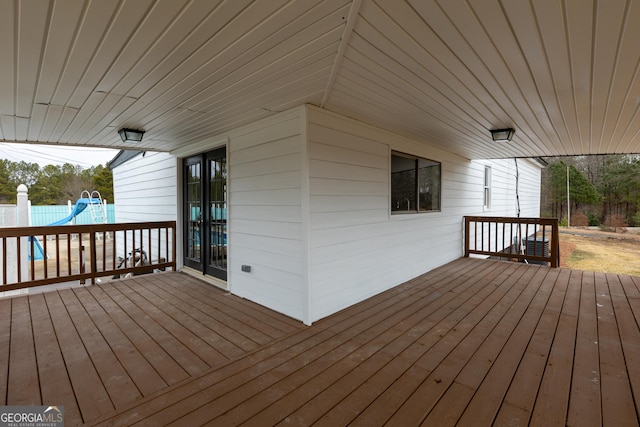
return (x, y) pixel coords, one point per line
(473, 342)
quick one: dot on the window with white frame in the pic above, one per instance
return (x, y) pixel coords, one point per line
(487, 187)
(415, 184)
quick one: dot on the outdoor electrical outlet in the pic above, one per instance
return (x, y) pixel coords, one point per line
(246, 268)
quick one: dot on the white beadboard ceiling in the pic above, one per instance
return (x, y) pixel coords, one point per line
(563, 73)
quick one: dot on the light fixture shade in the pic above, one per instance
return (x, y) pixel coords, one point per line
(130, 135)
(502, 134)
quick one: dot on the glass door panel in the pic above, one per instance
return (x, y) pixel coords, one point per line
(193, 212)
(217, 204)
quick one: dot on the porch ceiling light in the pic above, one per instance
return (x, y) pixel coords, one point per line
(502, 134)
(130, 135)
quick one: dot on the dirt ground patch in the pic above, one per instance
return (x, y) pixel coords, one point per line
(596, 250)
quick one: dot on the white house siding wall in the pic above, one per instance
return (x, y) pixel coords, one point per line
(530, 181)
(507, 181)
(503, 186)
(265, 219)
(357, 248)
(145, 189)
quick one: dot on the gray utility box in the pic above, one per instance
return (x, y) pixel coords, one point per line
(536, 247)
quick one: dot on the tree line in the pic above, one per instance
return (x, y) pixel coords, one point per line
(53, 184)
(602, 190)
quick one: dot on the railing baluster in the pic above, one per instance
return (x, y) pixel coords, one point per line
(81, 257)
(44, 256)
(19, 257)
(104, 250)
(149, 245)
(94, 256)
(159, 243)
(113, 252)
(4, 260)
(32, 261)
(475, 236)
(57, 255)
(69, 254)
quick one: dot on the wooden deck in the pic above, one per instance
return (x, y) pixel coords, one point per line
(474, 342)
(97, 349)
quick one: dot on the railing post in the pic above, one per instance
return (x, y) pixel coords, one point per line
(555, 237)
(466, 236)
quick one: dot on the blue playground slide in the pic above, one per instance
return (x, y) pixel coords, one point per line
(38, 250)
(81, 205)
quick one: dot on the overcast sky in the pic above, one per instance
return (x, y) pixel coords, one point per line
(56, 155)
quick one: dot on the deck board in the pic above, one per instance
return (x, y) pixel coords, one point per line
(474, 342)
(55, 384)
(5, 346)
(23, 384)
(584, 401)
(629, 332)
(617, 398)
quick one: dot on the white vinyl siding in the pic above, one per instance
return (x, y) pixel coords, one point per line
(265, 221)
(509, 181)
(357, 248)
(145, 188)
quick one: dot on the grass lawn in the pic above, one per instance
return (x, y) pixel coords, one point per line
(595, 250)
